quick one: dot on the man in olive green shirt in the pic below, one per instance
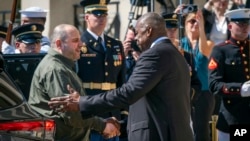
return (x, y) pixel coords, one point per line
(51, 78)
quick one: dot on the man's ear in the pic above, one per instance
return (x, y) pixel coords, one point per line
(58, 44)
(17, 45)
(229, 26)
(149, 31)
(86, 17)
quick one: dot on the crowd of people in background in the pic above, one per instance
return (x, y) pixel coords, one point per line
(164, 81)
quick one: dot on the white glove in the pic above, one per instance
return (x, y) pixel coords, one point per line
(245, 89)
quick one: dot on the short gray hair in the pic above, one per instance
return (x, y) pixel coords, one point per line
(59, 32)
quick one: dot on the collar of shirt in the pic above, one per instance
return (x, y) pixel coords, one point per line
(158, 40)
(95, 36)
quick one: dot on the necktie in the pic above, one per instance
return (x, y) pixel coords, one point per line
(100, 44)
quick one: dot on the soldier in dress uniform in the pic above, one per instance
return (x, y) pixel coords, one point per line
(229, 67)
(3, 32)
(102, 63)
(27, 40)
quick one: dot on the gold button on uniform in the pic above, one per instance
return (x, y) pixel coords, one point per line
(106, 73)
(244, 55)
(248, 76)
(89, 62)
(245, 62)
(228, 102)
(106, 63)
(246, 69)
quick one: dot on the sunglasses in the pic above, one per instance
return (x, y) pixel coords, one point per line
(192, 21)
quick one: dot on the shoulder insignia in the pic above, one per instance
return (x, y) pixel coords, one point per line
(212, 64)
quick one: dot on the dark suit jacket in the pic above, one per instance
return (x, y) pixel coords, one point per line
(158, 95)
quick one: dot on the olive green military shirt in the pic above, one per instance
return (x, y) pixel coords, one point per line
(50, 79)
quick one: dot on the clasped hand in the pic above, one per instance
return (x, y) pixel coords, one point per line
(112, 128)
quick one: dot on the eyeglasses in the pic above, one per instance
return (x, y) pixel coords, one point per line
(192, 21)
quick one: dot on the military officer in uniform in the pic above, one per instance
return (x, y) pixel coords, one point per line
(101, 65)
(229, 67)
(27, 40)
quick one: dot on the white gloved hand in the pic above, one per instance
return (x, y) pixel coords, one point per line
(245, 89)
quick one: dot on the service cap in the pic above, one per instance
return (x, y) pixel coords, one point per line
(33, 12)
(97, 7)
(171, 20)
(28, 33)
(240, 15)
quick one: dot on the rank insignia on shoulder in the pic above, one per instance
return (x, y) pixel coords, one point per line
(212, 64)
(84, 48)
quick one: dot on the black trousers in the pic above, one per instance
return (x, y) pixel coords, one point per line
(202, 110)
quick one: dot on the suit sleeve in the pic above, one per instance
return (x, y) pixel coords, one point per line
(217, 84)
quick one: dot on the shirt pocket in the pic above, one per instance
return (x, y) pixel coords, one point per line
(233, 64)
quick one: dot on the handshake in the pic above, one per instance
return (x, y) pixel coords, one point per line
(245, 89)
(112, 128)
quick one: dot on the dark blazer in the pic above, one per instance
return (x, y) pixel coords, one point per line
(158, 95)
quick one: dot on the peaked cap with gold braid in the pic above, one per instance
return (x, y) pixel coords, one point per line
(95, 5)
(28, 33)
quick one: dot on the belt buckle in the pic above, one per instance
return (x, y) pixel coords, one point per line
(106, 86)
(91, 85)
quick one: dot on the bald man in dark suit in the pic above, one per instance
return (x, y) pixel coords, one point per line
(157, 92)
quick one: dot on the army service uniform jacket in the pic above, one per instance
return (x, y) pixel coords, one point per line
(101, 70)
(228, 70)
